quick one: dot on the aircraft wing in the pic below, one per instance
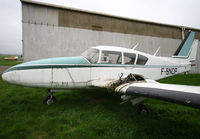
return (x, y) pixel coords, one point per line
(181, 94)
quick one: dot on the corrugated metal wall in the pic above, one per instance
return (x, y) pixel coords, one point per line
(53, 32)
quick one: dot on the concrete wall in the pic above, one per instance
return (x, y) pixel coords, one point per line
(54, 32)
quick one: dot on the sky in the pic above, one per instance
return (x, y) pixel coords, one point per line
(174, 12)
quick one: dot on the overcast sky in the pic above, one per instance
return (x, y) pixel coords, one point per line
(175, 12)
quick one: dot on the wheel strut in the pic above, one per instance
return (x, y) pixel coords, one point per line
(50, 98)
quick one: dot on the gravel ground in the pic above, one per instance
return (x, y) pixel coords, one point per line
(3, 68)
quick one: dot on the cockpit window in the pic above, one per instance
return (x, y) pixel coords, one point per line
(129, 58)
(92, 55)
(111, 57)
(141, 60)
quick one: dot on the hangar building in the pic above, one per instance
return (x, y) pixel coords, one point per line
(53, 31)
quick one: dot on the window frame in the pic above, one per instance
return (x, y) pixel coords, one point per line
(142, 56)
(110, 51)
(132, 54)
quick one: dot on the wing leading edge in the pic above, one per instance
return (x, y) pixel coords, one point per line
(181, 94)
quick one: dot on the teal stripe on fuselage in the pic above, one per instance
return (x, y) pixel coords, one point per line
(44, 66)
(73, 62)
(50, 62)
(58, 60)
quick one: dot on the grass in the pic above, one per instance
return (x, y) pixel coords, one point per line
(190, 79)
(93, 113)
(7, 63)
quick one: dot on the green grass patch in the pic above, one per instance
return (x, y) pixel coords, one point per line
(188, 79)
(8, 63)
(93, 113)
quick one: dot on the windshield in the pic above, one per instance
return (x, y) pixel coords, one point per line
(92, 55)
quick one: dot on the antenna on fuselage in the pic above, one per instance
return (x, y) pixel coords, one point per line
(135, 46)
(156, 51)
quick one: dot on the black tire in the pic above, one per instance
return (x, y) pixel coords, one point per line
(53, 99)
(49, 100)
(142, 109)
(46, 99)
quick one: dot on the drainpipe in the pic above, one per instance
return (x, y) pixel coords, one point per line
(183, 34)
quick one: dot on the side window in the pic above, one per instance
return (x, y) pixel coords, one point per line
(141, 60)
(129, 58)
(110, 57)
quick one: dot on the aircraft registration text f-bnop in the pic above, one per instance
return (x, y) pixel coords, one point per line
(169, 71)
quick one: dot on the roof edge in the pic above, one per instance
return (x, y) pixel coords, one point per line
(104, 14)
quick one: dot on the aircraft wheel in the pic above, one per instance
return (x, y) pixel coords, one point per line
(49, 100)
(142, 109)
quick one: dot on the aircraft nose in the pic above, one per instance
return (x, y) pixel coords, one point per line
(4, 77)
(9, 76)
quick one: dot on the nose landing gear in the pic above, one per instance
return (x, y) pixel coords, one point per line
(50, 99)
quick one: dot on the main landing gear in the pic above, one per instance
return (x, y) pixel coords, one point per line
(50, 99)
(136, 101)
(142, 109)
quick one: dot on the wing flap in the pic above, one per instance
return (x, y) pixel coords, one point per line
(181, 94)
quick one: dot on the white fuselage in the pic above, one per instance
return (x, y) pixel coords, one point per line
(77, 74)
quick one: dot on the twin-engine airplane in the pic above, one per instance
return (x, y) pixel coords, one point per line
(127, 71)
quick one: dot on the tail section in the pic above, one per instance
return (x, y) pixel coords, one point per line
(188, 48)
